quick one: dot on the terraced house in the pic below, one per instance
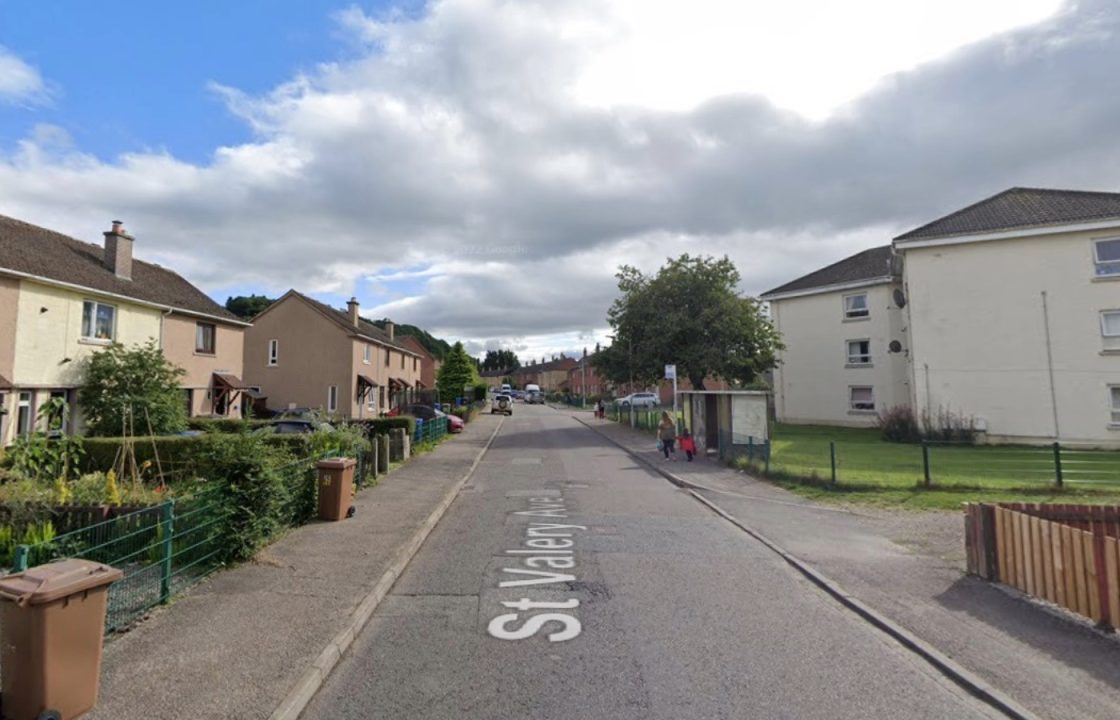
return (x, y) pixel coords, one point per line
(302, 353)
(62, 299)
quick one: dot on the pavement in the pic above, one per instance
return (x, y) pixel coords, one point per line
(255, 640)
(568, 580)
(909, 566)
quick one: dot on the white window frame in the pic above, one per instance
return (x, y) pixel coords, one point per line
(858, 360)
(1099, 266)
(332, 398)
(273, 352)
(94, 306)
(1114, 405)
(367, 353)
(25, 399)
(866, 310)
(851, 404)
(1110, 341)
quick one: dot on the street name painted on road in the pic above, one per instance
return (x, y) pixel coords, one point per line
(548, 547)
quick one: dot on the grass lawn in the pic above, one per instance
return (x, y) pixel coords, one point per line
(872, 471)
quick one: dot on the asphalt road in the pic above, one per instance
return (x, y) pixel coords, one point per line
(653, 607)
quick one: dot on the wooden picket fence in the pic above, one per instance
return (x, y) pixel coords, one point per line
(1066, 554)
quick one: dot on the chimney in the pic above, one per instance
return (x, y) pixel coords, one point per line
(118, 251)
(352, 311)
(389, 328)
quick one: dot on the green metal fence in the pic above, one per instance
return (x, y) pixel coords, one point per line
(165, 548)
(429, 430)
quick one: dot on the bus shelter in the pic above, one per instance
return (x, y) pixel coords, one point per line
(728, 423)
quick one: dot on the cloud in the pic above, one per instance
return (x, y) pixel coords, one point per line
(456, 172)
(20, 83)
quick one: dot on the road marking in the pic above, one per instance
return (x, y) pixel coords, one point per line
(525, 461)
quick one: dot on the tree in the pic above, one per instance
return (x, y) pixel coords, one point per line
(502, 360)
(688, 314)
(126, 389)
(247, 307)
(457, 372)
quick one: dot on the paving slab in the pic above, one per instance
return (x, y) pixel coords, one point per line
(238, 643)
(909, 566)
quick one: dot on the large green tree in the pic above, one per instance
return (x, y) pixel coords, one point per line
(500, 360)
(134, 390)
(248, 307)
(691, 315)
(458, 371)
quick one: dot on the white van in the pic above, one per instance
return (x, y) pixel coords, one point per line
(532, 388)
(506, 389)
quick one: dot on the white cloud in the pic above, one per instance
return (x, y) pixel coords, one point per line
(452, 175)
(19, 82)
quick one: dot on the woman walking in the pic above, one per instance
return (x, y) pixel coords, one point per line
(666, 433)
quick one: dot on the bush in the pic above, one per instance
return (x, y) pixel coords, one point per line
(225, 425)
(132, 390)
(949, 427)
(898, 425)
(382, 426)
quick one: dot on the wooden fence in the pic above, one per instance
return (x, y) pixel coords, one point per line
(1066, 554)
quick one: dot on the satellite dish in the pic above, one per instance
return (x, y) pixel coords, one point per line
(895, 346)
(899, 298)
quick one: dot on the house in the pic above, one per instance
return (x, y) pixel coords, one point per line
(584, 380)
(429, 364)
(62, 299)
(300, 352)
(839, 366)
(1004, 315)
(549, 375)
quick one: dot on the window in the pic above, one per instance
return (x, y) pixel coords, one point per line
(204, 338)
(1107, 257)
(99, 321)
(56, 419)
(402, 361)
(273, 352)
(388, 353)
(415, 364)
(332, 398)
(23, 414)
(855, 307)
(859, 352)
(1110, 329)
(367, 350)
(1114, 393)
(861, 399)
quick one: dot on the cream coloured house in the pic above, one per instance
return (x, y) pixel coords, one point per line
(1011, 321)
(62, 299)
(302, 353)
(838, 324)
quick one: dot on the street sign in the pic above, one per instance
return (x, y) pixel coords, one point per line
(670, 372)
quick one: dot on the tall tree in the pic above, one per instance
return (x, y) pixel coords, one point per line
(457, 372)
(247, 307)
(688, 314)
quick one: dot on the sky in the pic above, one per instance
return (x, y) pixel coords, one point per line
(481, 168)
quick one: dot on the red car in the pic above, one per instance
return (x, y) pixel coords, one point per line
(426, 412)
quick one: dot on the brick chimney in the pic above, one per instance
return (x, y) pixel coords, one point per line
(352, 311)
(389, 328)
(118, 251)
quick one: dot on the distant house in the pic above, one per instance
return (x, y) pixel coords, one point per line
(303, 353)
(584, 380)
(549, 375)
(837, 324)
(429, 365)
(62, 299)
(1010, 320)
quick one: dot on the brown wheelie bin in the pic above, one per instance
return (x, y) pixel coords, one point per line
(52, 619)
(336, 487)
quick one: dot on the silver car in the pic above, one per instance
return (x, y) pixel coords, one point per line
(502, 404)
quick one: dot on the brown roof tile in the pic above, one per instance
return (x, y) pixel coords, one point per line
(365, 329)
(32, 250)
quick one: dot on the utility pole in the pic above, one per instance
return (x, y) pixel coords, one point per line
(583, 380)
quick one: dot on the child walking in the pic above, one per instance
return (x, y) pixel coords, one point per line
(687, 444)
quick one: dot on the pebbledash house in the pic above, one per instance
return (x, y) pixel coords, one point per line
(1004, 314)
(62, 299)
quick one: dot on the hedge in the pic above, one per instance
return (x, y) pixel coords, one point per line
(225, 425)
(381, 426)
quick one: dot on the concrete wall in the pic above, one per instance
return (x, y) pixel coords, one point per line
(979, 337)
(314, 354)
(179, 348)
(812, 380)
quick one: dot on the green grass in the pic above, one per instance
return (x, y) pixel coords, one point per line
(872, 471)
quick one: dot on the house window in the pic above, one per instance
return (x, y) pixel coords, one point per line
(388, 354)
(204, 334)
(855, 306)
(1114, 394)
(402, 361)
(99, 321)
(415, 364)
(273, 352)
(367, 350)
(1106, 255)
(859, 352)
(861, 399)
(1110, 329)
(23, 414)
(332, 398)
(56, 419)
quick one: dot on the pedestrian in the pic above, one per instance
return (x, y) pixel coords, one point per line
(599, 409)
(666, 433)
(688, 445)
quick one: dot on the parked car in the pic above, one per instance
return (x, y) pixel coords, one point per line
(502, 404)
(534, 397)
(638, 400)
(426, 412)
(294, 426)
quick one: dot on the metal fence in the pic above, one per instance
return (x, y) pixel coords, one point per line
(429, 430)
(165, 548)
